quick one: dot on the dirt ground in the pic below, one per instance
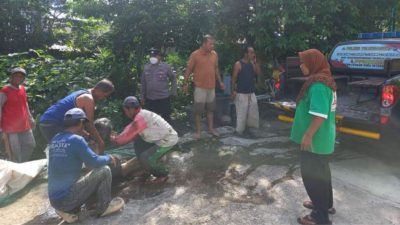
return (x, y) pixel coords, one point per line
(237, 180)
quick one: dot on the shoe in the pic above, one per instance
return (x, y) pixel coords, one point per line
(115, 205)
(310, 205)
(67, 217)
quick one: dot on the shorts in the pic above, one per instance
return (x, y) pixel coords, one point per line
(204, 100)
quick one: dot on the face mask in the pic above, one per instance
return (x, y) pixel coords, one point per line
(153, 60)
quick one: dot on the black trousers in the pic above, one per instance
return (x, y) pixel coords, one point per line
(317, 181)
(160, 106)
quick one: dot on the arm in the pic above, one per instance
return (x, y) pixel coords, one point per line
(89, 157)
(3, 99)
(4, 136)
(130, 132)
(236, 69)
(172, 78)
(86, 103)
(308, 136)
(189, 70)
(218, 76)
(31, 119)
(257, 69)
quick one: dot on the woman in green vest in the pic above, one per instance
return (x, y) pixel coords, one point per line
(314, 129)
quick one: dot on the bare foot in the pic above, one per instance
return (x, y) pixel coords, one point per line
(213, 133)
(197, 136)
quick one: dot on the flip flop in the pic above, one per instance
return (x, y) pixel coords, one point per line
(197, 136)
(214, 134)
(310, 205)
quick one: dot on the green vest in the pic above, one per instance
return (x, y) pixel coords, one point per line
(319, 100)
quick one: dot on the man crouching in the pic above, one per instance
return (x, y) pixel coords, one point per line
(67, 189)
(157, 138)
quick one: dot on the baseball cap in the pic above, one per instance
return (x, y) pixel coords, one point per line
(131, 102)
(154, 52)
(75, 114)
(18, 70)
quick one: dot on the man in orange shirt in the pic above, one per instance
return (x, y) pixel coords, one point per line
(203, 63)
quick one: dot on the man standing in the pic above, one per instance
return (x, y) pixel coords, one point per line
(158, 83)
(67, 189)
(51, 120)
(16, 122)
(203, 63)
(243, 90)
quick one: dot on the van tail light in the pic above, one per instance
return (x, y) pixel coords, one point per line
(390, 94)
(384, 120)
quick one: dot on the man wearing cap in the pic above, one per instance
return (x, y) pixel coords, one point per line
(158, 83)
(67, 189)
(157, 138)
(51, 120)
(203, 63)
(16, 120)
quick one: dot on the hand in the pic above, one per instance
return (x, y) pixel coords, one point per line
(33, 123)
(306, 142)
(185, 88)
(113, 135)
(254, 61)
(113, 162)
(233, 95)
(222, 85)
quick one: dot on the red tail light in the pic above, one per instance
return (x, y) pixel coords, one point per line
(390, 94)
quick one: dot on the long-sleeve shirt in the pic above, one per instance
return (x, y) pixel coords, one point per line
(158, 81)
(151, 127)
(67, 153)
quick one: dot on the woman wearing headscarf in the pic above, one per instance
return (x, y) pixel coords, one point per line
(314, 129)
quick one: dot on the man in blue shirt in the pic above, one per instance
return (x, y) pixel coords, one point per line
(51, 122)
(67, 189)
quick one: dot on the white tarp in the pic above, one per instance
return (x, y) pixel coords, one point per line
(15, 176)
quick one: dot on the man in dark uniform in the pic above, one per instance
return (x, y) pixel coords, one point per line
(158, 83)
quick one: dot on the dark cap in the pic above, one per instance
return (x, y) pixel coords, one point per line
(131, 102)
(154, 52)
(18, 70)
(75, 114)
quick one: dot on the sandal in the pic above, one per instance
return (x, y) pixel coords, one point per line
(308, 220)
(310, 205)
(214, 133)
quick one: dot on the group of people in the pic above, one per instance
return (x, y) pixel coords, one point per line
(73, 139)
